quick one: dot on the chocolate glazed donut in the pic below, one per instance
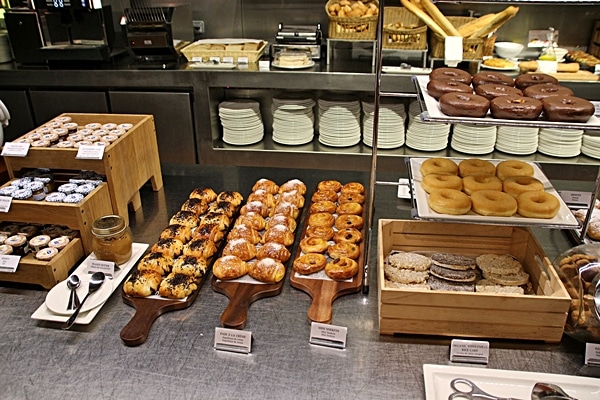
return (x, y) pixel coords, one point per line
(567, 109)
(450, 74)
(464, 105)
(540, 92)
(526, 80)
(482, 78)
(515, 107)
(492, 90)
(436, 88)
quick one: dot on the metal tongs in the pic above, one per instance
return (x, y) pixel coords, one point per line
(466, 389)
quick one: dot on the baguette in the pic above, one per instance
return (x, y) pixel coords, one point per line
(424, 17)
(439, 18)
(471, 27)
(499, 19)
(532, 66)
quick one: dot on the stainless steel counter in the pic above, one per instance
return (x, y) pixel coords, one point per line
(39, 360)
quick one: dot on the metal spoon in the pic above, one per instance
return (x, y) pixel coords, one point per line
(73, 282)
(96, 280)
(549, 391)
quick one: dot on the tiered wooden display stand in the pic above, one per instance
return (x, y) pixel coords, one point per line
(128, 164)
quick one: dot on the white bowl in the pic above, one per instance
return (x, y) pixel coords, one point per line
(508, 49)
(560, 53)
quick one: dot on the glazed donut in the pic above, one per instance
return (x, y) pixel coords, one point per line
(537, 204)
(313, 245)
(515, 185)
(323, 206)
(274, 250)
(441, 181)
(525, 80)
(351, 198)
(284, 220)
(515, 107)
(267, 185)
(325, 232)
(513, 168)
(321, 219)
(493, 203)
(351, 235)
(437, 87)
(567, 109)
(309, 263)
(464, 105)
(341, 269)
(252, 220)
(438, 165)
(344, 249)
(279, 234)
(293, 185)
(321, 195)
(349, 221)
(497, 78)
(475, 183)
(449, 201)
(450, 74)
(493, 90)
(476, 166)
(353, 187)
(349, 208)
(542, 91)
(329, 185)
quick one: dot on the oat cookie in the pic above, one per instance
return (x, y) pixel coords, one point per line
(498, 264)
(406, 260)
(402, 275)
(457, 262)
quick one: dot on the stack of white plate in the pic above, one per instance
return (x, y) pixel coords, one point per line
(590, 145)
(339, 120)
(241, 121)
(517, 140)
(560, 142)
(425, 136)
(473, 139)
(391, 123)
(293, 118)
(5, 55)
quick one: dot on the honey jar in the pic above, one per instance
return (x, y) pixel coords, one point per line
(112, 239)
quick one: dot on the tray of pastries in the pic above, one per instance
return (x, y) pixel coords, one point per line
(169, 277)
(330, 258)
(254, 258)
(487, 191)
(494, 98)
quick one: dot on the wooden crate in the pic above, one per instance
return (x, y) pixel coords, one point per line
(78, 216)
(538, 317)
(46, 274)
(128, 163)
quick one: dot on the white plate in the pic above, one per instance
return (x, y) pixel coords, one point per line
(276, 65)
(504, 383)
(43, 312)
(58, 297)
(564, 217)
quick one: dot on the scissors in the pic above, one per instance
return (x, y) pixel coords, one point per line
(468, 390)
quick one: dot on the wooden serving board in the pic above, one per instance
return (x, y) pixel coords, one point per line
(147, 310)
(576, 76)
(241, 295)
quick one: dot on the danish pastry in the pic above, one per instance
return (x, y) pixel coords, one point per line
(229, 267)
(216, 217)
(313, 245)
(267, 270)
(321, 219)
(351, 198)
(329, 185)
(210, 231)
(344, 249)
(341, 268)
(349, 208)
(170, 247)
(142, 283)
(325, 232)
(177, 286)
(309, 263)
(203, 248)
(274, 250)
(195, 205)
(223, 207)
(351, 235)
(323, 206)
(176, 231)
(156, 262)
(234, 198)
(205, 193)
(353, 187)
(321, 195)
(187, 218)
(349, 221)
(189, 265)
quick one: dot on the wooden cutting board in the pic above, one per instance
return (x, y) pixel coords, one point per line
(241, 295)
(576, 76)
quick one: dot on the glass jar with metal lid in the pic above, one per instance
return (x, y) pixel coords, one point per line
(112, 240)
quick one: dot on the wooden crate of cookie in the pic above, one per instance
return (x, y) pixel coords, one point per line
(403, 30)
(352, 19)
(467, 280)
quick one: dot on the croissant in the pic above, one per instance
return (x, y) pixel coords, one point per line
(177, 286)
(201, 248)
(276, 251)
(190, 265)
(240, 248)
(279, 234)
(267, 270)
(142, 283)
(230, 267)
(244, 232)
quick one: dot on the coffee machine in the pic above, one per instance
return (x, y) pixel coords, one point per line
(60, 31)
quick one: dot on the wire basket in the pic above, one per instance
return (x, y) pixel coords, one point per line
(352, 28)
(403, 30)
(473, 49)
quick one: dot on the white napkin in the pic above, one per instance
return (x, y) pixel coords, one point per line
(453, 52)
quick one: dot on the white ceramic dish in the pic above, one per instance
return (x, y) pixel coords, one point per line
(564, 218)
(504, 383)
(58, 296)
(310, 64)
(45, 314)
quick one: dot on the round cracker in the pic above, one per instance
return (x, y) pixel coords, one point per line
(456, 262)
(407, 260)
(453, 275)
(404, 275)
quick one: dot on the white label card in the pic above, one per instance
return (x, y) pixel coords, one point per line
(108, 267)
(15, 149)
(470, 351)
(576, 198)
(88, 152)
(9, 263)
(233, 340)
(5, 202)
(228, 60)
(592, 354)
(328, 335)
(242, 60)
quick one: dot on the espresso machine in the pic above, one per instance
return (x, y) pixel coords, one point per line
(60, 31)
